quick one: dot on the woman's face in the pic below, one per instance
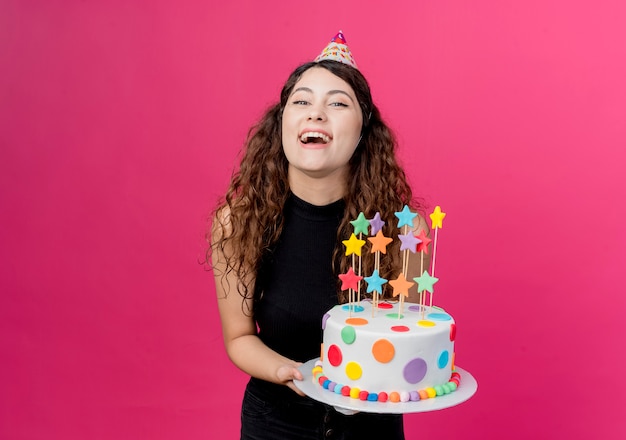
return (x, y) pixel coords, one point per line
(321, 125)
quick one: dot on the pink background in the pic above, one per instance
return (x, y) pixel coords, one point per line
(120, 123)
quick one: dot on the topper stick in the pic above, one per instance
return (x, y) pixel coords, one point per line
(375, 292)
(434, 252)
(352, 291)
(358, 287)
(433, 265)
(421, 271)
(405, 256)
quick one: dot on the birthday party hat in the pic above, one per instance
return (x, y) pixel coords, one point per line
(337, 50)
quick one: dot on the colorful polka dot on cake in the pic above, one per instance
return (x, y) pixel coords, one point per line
(324, 319)
(415, 370)
(442, 362)
(356, 321)
(353, 370)
(439, 316)
(334, 355)
(400, 328)
(348, 334)
(383, 351)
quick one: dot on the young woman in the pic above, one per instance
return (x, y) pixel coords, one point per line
(315, 160)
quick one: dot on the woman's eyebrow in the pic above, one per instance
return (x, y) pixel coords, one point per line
(302, 89)
(334, 92)
(329, 93)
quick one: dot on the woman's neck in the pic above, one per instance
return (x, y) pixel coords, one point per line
(319, 191)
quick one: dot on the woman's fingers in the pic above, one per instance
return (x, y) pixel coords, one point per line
(297, 390)
(288, 373)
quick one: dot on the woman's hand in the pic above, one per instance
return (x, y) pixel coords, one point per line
(287, 373)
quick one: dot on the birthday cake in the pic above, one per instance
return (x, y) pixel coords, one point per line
(388, 351)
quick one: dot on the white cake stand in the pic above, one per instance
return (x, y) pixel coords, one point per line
(311, 388)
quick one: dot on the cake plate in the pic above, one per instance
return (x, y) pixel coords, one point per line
(311, 388)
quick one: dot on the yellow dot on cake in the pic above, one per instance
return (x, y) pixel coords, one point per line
(353, 370)
(425, 323)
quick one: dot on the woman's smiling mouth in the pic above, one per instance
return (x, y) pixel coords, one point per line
(314, 137)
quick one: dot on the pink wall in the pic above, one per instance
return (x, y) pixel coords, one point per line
(119, 126)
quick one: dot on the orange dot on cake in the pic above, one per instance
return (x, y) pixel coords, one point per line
(383, 351)
(356, 321)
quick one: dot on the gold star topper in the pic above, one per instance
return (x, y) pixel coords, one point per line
(353, 245)
(436, 217)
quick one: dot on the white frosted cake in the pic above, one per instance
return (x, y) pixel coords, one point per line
(388, 351)
(377, 355)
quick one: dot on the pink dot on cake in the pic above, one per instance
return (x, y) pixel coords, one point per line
(334, 355)
(385, 305)
(400, 328)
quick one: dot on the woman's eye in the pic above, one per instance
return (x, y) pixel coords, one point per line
(300, 102)
(339, 104)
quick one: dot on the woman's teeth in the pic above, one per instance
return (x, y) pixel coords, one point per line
(314, 136)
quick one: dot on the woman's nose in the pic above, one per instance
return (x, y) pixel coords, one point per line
(316, 113)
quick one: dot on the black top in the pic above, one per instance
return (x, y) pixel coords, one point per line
(297, 286)
(296, 282)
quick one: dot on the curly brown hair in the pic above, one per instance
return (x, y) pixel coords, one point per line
(250, 215)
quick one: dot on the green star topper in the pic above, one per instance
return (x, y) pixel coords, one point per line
(425, 282)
